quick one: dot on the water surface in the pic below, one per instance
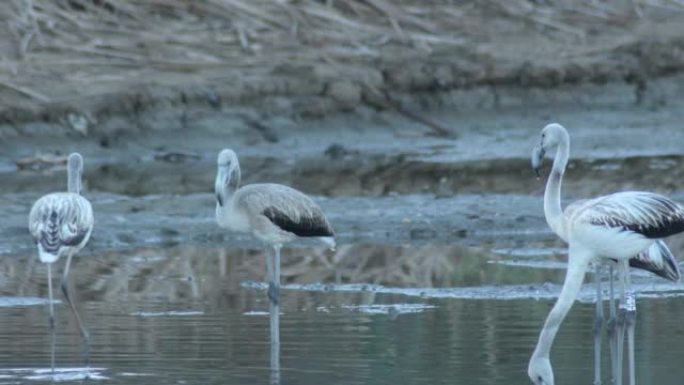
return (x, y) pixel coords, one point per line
(187, 315)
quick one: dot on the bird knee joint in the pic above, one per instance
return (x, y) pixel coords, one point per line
(273, 293)
(630, 317)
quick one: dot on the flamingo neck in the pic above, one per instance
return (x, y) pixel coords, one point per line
(74, 181)
(227, 182)
(577, 266)
(552, 194)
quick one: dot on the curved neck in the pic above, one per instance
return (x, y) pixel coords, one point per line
(552, 194)
(577, 266)
(74, 180)
(227, 181)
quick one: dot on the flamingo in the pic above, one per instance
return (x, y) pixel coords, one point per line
(615, 227)
(60, 224)
(273, 213)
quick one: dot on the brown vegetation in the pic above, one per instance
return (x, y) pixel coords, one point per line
(120, 56)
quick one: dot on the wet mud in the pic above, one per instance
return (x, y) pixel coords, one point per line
(378, 177)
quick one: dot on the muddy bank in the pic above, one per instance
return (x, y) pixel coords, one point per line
(126, 222)
(502, 221)
(615, 145)
(101, 70)
(272, 119)
(369, 175)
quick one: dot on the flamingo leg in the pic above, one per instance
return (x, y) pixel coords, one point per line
(275, 349)
(630, 320)
(81, 327)
(51, 319)
(598, 324)
(611, 325)
(271, 291)
(622, 318)
(274, 311)
(276, 272)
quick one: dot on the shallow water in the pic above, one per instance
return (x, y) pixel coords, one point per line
(187, 315)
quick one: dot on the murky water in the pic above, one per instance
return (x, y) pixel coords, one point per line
(375, 315)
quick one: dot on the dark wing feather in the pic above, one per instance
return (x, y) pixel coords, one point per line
(53, 235)
(652, 215)
(305, 226)
(60, 220)
(48, 236)
(285, 207)
(659, 260)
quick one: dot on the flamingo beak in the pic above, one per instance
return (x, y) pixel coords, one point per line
(537, 158)
(220, 184)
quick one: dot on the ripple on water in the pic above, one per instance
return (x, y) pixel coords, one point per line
(59, 375)
(25, 301)
(170, 313)
(531, 263)
(530, 251)
(254, 313)
(390, 309)
(487, 292)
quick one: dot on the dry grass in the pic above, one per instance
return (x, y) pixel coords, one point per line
(61, 50)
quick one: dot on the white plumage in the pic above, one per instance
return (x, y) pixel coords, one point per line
(657, 258)
(618, 227)
(60, 224)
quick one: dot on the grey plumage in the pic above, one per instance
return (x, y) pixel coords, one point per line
(288, 209)
(60, 224)
(275, 214)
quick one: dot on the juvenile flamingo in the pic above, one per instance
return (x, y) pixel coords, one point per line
(60, 224)
(613, 227)
(273, 213)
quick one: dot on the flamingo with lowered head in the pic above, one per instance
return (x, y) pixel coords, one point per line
(615, 227)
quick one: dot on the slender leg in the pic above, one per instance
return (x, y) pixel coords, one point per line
(275, 348)
(81, 327)
(274, 311)
(630, 321)
(273, 267)
(622, 318)
(598, 324)
(269, 271)
(274, 294)
(51, 319)
(612, 335)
